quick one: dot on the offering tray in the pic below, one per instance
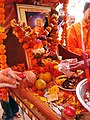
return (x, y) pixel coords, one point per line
(80, 92)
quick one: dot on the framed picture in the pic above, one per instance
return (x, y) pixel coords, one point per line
(37, 17)
(30, 14)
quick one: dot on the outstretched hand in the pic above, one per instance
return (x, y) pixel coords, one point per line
(9, 78)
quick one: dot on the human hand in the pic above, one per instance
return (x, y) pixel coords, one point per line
(9, 78)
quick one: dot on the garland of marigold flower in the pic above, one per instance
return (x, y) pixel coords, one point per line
(63, 40)
(3, 91)
(32, 42)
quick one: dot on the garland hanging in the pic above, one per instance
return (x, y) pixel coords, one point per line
(3, 64)
(41, 46)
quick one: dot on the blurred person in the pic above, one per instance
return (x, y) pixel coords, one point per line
(70, 20)
(74, 37)
(61, 14)
(60, 22)
(10, 107)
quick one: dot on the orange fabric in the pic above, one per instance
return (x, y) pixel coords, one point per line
(74, 43)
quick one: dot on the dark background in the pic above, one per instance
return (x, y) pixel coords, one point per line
(14, 51)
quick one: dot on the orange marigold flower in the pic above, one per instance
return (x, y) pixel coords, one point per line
(3, 36)
(2, 21)
(20, 34)
(2, 10)
(30, 55)
(44, 42)
(25, 46)
(3, 58)
(2, 51)
(39, 45)
(16, 28)
(34, 61)
(3, 66)
(21, 40)
(2, 29)
(55, 27)
(1, 5)
(41, 69)
(28, 50)
(1, 40)
(2, 46)
(56, 41)
(2, 16)
(3, 61)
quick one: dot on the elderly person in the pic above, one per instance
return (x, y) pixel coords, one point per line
(74, 37)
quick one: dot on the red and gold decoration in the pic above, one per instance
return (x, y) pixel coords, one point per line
(42, 59)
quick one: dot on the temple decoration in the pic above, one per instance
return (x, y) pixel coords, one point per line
(42, 57)
(37, 46)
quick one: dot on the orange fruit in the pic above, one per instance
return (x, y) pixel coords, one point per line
(40, 84)
(47, 77)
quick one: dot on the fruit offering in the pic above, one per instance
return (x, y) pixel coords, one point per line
(40, 84)
(69, 83)
(68, 113)
(47, 76)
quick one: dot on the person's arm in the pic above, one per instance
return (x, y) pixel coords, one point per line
(9, 77)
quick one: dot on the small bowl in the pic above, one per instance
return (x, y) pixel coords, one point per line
(80, 92)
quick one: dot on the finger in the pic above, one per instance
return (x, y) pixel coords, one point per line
(5, 71)
(17, 77)
(11, 82)
(16, 72)
(13, 75)
(7, 80)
